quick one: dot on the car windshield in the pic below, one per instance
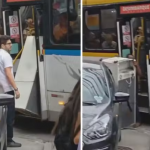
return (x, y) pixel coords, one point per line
(95, 89)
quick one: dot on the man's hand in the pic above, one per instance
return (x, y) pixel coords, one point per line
(17, 93)
(135, 63)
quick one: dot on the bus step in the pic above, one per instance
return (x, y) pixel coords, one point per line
(144, 110)
(143, 100)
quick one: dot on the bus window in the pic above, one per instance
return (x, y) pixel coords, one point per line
(108, 28)
(108, 17)
(100, 29)
(64, 30)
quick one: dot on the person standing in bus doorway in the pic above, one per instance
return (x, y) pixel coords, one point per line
(30, 29)
(139, 73)
(8, 85)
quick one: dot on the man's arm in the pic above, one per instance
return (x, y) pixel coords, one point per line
(7, 61)
(138, 69)
(10, 77)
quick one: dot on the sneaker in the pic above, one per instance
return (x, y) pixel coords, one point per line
(13, 144)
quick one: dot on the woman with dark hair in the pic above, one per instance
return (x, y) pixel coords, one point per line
(67, 129)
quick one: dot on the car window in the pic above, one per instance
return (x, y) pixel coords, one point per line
(95, 89)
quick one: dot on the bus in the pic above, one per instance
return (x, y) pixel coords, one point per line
(101, 25)
(47, 63)
(114, 28)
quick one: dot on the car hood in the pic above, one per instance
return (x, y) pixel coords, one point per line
(91, 113)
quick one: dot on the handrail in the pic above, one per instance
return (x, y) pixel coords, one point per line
(14, 61)
(140, 41)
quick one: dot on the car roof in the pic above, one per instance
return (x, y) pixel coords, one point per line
(91, 64)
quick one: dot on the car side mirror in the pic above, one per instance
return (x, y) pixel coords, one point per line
(5, 99)
(121, 97)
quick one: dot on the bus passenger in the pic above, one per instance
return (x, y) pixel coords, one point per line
(30, 29)
(139, 73)
(90, 39)
(139, 33)
(67, 129)
(109, 43)
(61, 29)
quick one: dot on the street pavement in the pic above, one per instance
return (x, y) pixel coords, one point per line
(37, 137)
(33, 135)
(138, 139)
(33, 141)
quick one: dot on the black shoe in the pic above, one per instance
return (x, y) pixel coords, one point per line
(13, 144)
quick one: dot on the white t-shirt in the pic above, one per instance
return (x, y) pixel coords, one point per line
(5, 62)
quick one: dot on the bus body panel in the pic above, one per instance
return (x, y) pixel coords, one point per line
(62, 71)
(103, 2)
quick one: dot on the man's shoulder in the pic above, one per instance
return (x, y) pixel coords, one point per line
(4, 54)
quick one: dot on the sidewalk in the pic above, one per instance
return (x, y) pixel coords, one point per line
(138, 139)
(27, 144)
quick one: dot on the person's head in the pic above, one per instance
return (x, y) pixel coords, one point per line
(139, 30)
(5, 42)
(109, 38)
(68, 117)
(30, 22)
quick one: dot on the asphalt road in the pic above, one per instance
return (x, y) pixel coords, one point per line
(36, 135)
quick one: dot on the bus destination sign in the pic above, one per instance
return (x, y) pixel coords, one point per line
(19, 1)
(135, 9)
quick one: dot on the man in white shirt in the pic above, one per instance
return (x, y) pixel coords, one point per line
(8, 85)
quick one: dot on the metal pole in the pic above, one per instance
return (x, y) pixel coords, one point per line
(20, 22)
(4, 22)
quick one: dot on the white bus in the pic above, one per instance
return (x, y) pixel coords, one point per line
(49, 65)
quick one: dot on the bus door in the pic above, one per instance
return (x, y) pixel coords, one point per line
(22, 24)
(41, 87)
(125, 38)
(11, 26)
(140, 47)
